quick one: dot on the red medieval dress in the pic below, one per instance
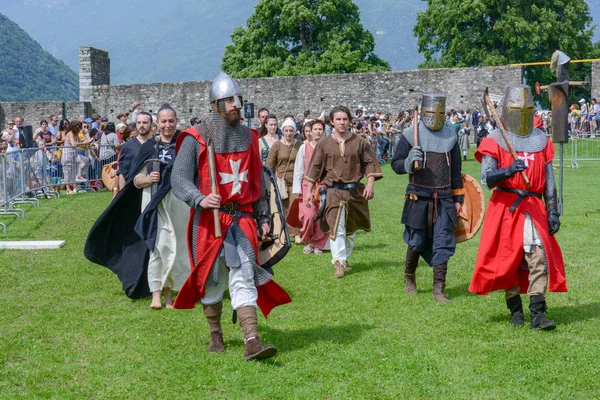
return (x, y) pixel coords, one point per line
(238, 182)
(311, 230)
(499, 263)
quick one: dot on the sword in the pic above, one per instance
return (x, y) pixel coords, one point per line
(155, 167)
(492, 109)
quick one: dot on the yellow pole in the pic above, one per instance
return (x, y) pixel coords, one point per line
(548, 62)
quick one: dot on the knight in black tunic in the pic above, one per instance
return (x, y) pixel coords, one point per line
(433, 196)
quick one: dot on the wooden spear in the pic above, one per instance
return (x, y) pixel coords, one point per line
(415, 121)
(213, 184)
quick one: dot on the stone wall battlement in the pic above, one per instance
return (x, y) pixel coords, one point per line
(385, 91)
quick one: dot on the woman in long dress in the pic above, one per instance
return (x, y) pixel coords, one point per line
(311, 232)
(168, 265)
(463, 140)
(281, 160)
(69, 155)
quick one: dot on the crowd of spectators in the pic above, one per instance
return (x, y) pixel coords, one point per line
(584, 118)
(76, 150)
(72, 151)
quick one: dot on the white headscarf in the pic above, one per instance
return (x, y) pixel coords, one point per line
(288, 122)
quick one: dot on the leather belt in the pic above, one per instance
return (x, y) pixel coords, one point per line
(343, 186)
(234, 208)
(521, 193)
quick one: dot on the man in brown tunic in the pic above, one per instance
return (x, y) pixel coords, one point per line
(340, 161)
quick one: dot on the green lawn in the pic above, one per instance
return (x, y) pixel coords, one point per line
(68, 331)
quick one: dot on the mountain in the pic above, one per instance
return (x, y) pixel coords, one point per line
(28, 73)
(183, 40)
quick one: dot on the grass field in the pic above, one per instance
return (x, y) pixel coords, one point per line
(67, 330)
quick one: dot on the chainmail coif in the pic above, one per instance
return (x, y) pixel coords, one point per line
(532, 143)
(225, 138)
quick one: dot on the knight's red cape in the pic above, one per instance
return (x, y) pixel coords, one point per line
(500, 256)
(239, 182)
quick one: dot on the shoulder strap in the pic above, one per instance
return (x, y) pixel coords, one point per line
(265, 142)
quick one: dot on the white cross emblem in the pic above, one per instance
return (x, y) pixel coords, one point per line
(526, 158)
(236, 177)
(164, 155)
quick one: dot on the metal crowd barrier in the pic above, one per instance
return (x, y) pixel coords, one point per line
(29, 174)
(584, 147)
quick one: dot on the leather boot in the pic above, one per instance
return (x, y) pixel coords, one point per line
(410, 283)
(410, 278)
(254, 348)
(213, 317)
(537, 306)
(439, 283)
(515, 305)
(339, 269)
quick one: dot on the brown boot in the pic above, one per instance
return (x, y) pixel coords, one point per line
(339, 269)
(410, 283)
(410, 278)
(254, 348)
(213, 317)
(412, 261)
(439, 283)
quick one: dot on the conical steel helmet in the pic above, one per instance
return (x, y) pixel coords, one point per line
(223, 87)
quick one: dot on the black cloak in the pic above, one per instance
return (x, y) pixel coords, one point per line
(122, 237)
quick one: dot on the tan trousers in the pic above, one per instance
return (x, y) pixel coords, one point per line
(538, 278)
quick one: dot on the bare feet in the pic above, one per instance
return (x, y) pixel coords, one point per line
(168, 298)
(156, 304)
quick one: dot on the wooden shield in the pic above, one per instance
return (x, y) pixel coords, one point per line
(472, 212)
(269, 253)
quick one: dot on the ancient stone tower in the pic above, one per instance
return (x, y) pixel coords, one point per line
(94, 70)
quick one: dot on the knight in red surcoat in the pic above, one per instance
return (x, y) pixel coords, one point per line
(518, 252)
(231, 260)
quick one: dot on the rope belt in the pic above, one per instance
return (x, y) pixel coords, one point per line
(521, 193)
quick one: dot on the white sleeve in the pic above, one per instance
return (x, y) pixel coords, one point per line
(299, 170)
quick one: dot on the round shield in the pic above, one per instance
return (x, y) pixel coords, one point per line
(272, 251)
(472, 212)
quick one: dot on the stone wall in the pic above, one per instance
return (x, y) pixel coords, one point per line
(386, 91)
(94, 70)
(34, 112)
(595, 80)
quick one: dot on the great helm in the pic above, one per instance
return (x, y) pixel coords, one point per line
(518, 109)
(224, 87)
(433, 111)
(560, 63)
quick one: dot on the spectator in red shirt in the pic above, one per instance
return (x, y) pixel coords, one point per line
(537, 121)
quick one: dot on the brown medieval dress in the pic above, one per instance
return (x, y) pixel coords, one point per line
(281, 161)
